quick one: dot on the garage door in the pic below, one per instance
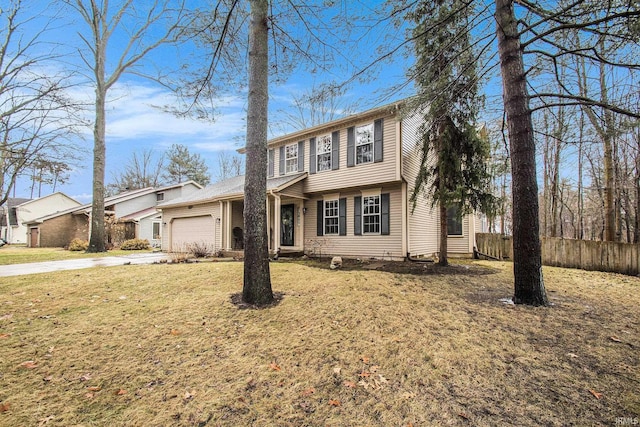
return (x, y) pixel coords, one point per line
(197, 229)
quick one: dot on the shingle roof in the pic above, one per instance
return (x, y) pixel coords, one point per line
(230, 187)
(9, 206)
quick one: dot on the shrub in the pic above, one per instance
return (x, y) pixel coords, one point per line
(78, 245)
(134, 244)
(200, 249)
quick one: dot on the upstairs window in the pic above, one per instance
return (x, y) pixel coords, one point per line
(323, 151)
(371, 214)
(364, 143)
(159, 197)
(291, 158)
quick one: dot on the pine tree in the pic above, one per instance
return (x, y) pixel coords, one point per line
(445, 74)
(183, 166)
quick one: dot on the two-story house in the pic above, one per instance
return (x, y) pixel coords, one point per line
(135, 210)
(341, 188)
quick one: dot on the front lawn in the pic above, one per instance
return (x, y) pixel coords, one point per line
(20, 254)
(164, 345)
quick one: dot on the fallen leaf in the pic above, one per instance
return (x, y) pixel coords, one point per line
(349, 384)
(364, 374)
(89, 395)
(4, 336)
(337, 370)
(29, 364)
(374, 368)
(334, 402)
(175, 332)
(382, 379)
(274, 366)
(187, 396)
(85, 377)
(365, 359)
(94, 388)
(572, 355)
(4, 407)
(121, 392)
(595, 394)
(363, 384)
(615, 338)
(47, 378)
(309, 391)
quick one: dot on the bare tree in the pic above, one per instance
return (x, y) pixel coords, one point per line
(229, 166)
(154, 24)
(36, 116)
(142, 171)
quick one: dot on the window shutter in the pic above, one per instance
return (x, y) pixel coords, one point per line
(351, 146)
(312, 155)
(320, 227)
(384, 214)
(281, 168)
(335, 150)
(271, 165)
(377, 141)
(301, 156)
(357, 215)
(342, 217)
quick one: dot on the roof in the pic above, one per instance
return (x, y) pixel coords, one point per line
(137, 216)
(10, 207)
(229, 188)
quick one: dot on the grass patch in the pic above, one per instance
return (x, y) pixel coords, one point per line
(18, 254)
(165, 345)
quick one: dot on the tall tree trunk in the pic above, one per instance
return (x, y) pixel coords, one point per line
(443, 261)
(257, 277)
(527, 260)
(97, 241)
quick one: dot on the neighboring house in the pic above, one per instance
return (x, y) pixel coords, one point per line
(8, 217)
(26, 210)
(341, 188)
(135, 210)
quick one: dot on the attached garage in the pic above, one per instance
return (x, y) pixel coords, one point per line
(192, 230)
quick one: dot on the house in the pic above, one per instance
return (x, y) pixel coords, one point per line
(19, 211)
(341, 188)
(131, 214)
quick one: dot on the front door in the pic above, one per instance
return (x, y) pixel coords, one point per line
(286, 225)
(34, 237)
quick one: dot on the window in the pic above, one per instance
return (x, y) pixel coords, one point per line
(156, 230)
(323, 151)
(364, 144)
(291, 158)
(454, 222)
(371, 214)
(331, 217)
(159, 197)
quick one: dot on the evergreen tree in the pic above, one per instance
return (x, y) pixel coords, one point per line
(445, 74)
(183, 166)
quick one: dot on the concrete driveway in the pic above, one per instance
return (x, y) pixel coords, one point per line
(77, 264)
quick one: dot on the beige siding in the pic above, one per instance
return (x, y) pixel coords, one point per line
(169, 214)
(296, 190)
(366, 246)
(359, 175)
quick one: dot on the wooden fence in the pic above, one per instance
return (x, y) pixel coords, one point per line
(584, 254)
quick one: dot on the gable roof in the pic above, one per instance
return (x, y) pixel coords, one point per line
(230, 188)
(31, 201)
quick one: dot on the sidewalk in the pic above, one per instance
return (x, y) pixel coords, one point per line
(77, 264)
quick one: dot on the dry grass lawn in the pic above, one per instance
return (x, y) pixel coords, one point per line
(163, 345)
(20, 254)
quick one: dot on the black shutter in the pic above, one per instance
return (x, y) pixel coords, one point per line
(377, 140)
(320, 227)
(312, 155)
(281, 169)
(301, 156)
(271, 165)
(351, 146)
(384, 214)
(342, 216)
(357, 215)
(335, 150)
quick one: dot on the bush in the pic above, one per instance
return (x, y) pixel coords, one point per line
(78, 245)
(200, 249)
(134, 244)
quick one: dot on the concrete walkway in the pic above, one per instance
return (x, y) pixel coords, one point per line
(77, 264)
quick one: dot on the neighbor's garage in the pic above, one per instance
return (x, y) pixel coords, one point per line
(197, 229)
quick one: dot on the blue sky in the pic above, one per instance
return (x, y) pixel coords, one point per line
(135, 123)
